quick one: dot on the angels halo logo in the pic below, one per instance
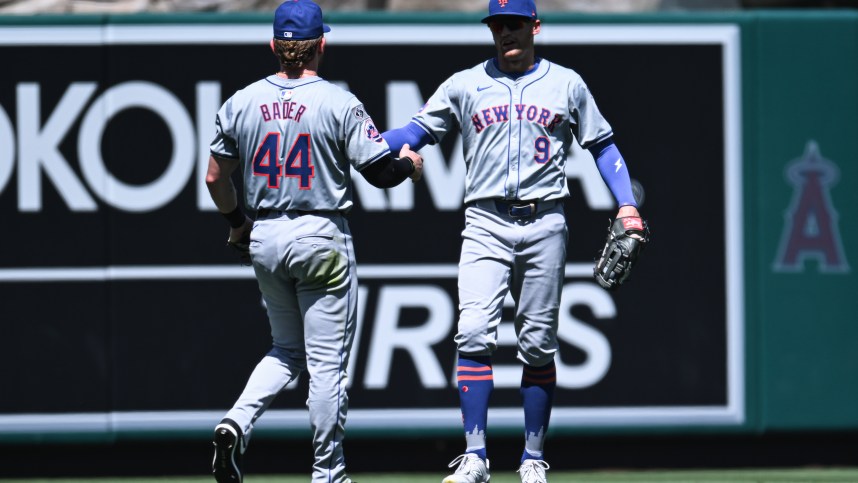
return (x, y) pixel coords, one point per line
(810, 223)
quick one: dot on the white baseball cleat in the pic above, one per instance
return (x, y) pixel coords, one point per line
(533, 471)
(471, 469)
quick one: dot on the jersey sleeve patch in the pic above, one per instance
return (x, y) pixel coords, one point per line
(370, 131)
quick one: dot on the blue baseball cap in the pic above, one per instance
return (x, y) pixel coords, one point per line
(298, 20)
(519, 8)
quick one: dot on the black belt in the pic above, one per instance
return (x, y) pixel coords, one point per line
(516, 208)
(267, 213)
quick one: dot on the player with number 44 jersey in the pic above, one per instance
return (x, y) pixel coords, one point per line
(295, 138)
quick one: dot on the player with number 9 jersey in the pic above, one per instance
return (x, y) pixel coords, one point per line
(518, 115)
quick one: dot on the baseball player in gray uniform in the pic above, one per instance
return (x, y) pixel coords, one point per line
(519, 115)
(295, 137)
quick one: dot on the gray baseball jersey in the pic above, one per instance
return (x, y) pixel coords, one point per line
(516, 132)
(297, 138)
(296, 141)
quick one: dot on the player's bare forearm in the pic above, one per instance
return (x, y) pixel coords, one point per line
(223, 193)
(220, 184)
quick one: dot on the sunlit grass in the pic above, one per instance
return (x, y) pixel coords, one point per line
(801, 475)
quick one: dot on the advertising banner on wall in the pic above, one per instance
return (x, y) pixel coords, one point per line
(123, 311)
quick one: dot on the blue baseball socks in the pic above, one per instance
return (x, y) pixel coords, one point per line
(475, 381)
(537, 395)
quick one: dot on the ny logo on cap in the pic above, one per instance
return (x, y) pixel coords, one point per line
(503, 3)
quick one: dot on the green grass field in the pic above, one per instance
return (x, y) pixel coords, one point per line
(805, 475)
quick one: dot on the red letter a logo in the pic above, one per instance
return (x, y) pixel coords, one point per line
(810, 228)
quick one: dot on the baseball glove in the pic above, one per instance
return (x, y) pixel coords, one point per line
(627, 236)
(242, 247)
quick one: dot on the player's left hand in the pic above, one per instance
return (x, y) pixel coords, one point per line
(627, 235)
(239, 240)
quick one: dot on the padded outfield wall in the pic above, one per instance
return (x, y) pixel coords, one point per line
(123, 315)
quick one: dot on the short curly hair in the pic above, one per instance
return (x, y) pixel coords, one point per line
(294, 54)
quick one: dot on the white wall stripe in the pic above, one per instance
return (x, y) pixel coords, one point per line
(229, 272)
(361, 34)
(367, 419)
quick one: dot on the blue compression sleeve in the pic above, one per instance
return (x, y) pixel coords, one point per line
(614, 171)
(410, 134)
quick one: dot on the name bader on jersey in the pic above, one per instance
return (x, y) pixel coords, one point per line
(286, 110)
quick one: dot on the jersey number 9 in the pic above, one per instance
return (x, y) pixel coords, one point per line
(542, 145)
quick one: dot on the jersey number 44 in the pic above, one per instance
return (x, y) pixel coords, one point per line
(296, 164)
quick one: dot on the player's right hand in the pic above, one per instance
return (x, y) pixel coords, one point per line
(237, 235)
(416, 159)
(239, 240)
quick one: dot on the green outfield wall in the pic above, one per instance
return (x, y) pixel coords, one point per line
(741, 318)
(801, 162)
